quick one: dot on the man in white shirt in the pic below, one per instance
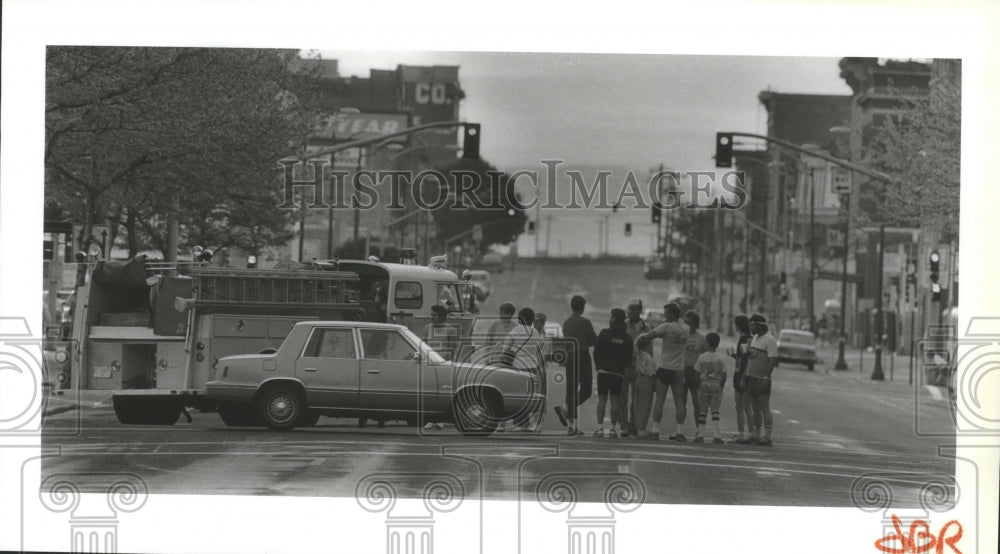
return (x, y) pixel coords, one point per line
(763, 357)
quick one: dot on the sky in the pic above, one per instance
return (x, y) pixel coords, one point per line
(625, 110)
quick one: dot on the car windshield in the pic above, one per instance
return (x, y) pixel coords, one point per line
(426, 351)
(797, 338)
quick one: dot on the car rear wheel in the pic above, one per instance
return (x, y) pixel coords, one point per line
(280, 407)
(476, 412)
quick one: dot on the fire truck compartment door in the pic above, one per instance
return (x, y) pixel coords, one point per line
(170, 365)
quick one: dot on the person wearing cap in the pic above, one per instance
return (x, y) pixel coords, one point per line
(612, 354)
(763, 357)
(638, 390)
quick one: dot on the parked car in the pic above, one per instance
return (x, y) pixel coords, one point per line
(480, 279)
(797, 347)
(656, 268)
(358, 369)
(492, 262)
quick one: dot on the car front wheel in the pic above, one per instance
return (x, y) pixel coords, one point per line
(280, 408)
(476, 412)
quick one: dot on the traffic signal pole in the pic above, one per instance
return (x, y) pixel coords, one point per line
(721, 150)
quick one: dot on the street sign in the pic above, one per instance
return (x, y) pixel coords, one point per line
(841, 180)
(98, 244)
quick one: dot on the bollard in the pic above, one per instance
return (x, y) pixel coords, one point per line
(861, 360)
(892, 363)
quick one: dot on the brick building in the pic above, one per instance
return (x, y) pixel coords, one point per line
(354, 107)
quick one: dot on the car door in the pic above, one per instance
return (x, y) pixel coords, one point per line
(391, 373)
(329, 367)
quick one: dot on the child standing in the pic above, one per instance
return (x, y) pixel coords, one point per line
(711, 368)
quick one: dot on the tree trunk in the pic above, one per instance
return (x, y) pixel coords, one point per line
(132, 234)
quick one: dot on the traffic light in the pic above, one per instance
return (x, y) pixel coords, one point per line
(784, 286)
(723, 150)
(470, 142)
(628, 229)
(48, 250)
(531, 227)
(657, 213)
(935, 267)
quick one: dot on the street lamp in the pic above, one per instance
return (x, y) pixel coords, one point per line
(841, 364)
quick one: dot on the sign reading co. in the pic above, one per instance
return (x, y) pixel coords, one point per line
(430, 93)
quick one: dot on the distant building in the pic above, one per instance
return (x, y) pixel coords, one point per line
(363, 107)
(803, 119)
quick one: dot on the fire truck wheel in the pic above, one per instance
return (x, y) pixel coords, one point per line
(279, 407)
(308, 419)
(139, 410)
(236, 415)
(476, 412)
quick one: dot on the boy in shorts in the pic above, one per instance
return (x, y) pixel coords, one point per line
(711, 368)
(612, 354)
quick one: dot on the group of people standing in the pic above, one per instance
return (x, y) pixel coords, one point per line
(632, 386)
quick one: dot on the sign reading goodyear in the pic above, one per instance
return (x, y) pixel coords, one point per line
(344, 127)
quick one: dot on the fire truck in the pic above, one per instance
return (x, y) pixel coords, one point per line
(152, 332)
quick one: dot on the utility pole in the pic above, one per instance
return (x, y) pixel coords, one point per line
(811, 306)
(842, 338)
(877, 374)
(720, 218)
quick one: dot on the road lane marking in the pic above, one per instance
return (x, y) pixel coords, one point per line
(776, 412)
(834, 445)
(622, 468)
(795, 421)
(811, 431)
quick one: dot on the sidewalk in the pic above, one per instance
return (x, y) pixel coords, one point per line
(57, 402)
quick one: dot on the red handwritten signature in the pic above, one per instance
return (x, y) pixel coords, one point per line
(920, 538)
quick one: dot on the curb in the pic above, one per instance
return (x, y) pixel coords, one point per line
(60, 409)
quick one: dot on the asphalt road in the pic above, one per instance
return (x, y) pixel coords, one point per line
(830, 430)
